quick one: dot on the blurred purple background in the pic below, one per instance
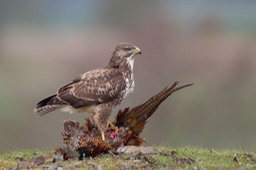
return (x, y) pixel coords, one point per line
(45, 44)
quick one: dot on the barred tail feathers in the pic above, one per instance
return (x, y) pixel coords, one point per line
(48, 105)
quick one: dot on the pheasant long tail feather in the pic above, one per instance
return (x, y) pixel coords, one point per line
(146, 109)
(136, 117)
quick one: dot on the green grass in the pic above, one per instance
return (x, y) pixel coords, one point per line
(10, 160)
(169, 158)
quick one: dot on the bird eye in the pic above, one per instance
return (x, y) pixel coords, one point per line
(128, 49)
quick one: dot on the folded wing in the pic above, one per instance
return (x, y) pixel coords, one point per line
(94, 87)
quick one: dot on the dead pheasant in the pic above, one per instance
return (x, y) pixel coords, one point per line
(124, 130)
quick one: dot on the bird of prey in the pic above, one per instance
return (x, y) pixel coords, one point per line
(97, 91)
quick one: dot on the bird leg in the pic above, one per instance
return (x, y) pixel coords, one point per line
(101, 118)
(102, 135)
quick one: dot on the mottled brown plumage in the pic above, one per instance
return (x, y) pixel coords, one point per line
(96, 91)
(124, 130)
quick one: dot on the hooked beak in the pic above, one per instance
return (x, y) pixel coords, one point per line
(137, 51)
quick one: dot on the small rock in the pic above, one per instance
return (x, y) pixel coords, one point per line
(137, 161)
(235, 159)
(39, 160)
(137, 149)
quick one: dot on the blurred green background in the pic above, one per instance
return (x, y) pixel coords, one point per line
(45, 44)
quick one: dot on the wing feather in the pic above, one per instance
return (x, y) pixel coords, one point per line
(94, 87)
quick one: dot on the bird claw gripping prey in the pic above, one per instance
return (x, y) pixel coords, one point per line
(123, 131)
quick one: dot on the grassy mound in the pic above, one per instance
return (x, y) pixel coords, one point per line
(168, 158)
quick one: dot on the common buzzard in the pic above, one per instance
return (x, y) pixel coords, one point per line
(97, 91)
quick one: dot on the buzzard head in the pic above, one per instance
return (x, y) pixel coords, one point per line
(123, 53)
